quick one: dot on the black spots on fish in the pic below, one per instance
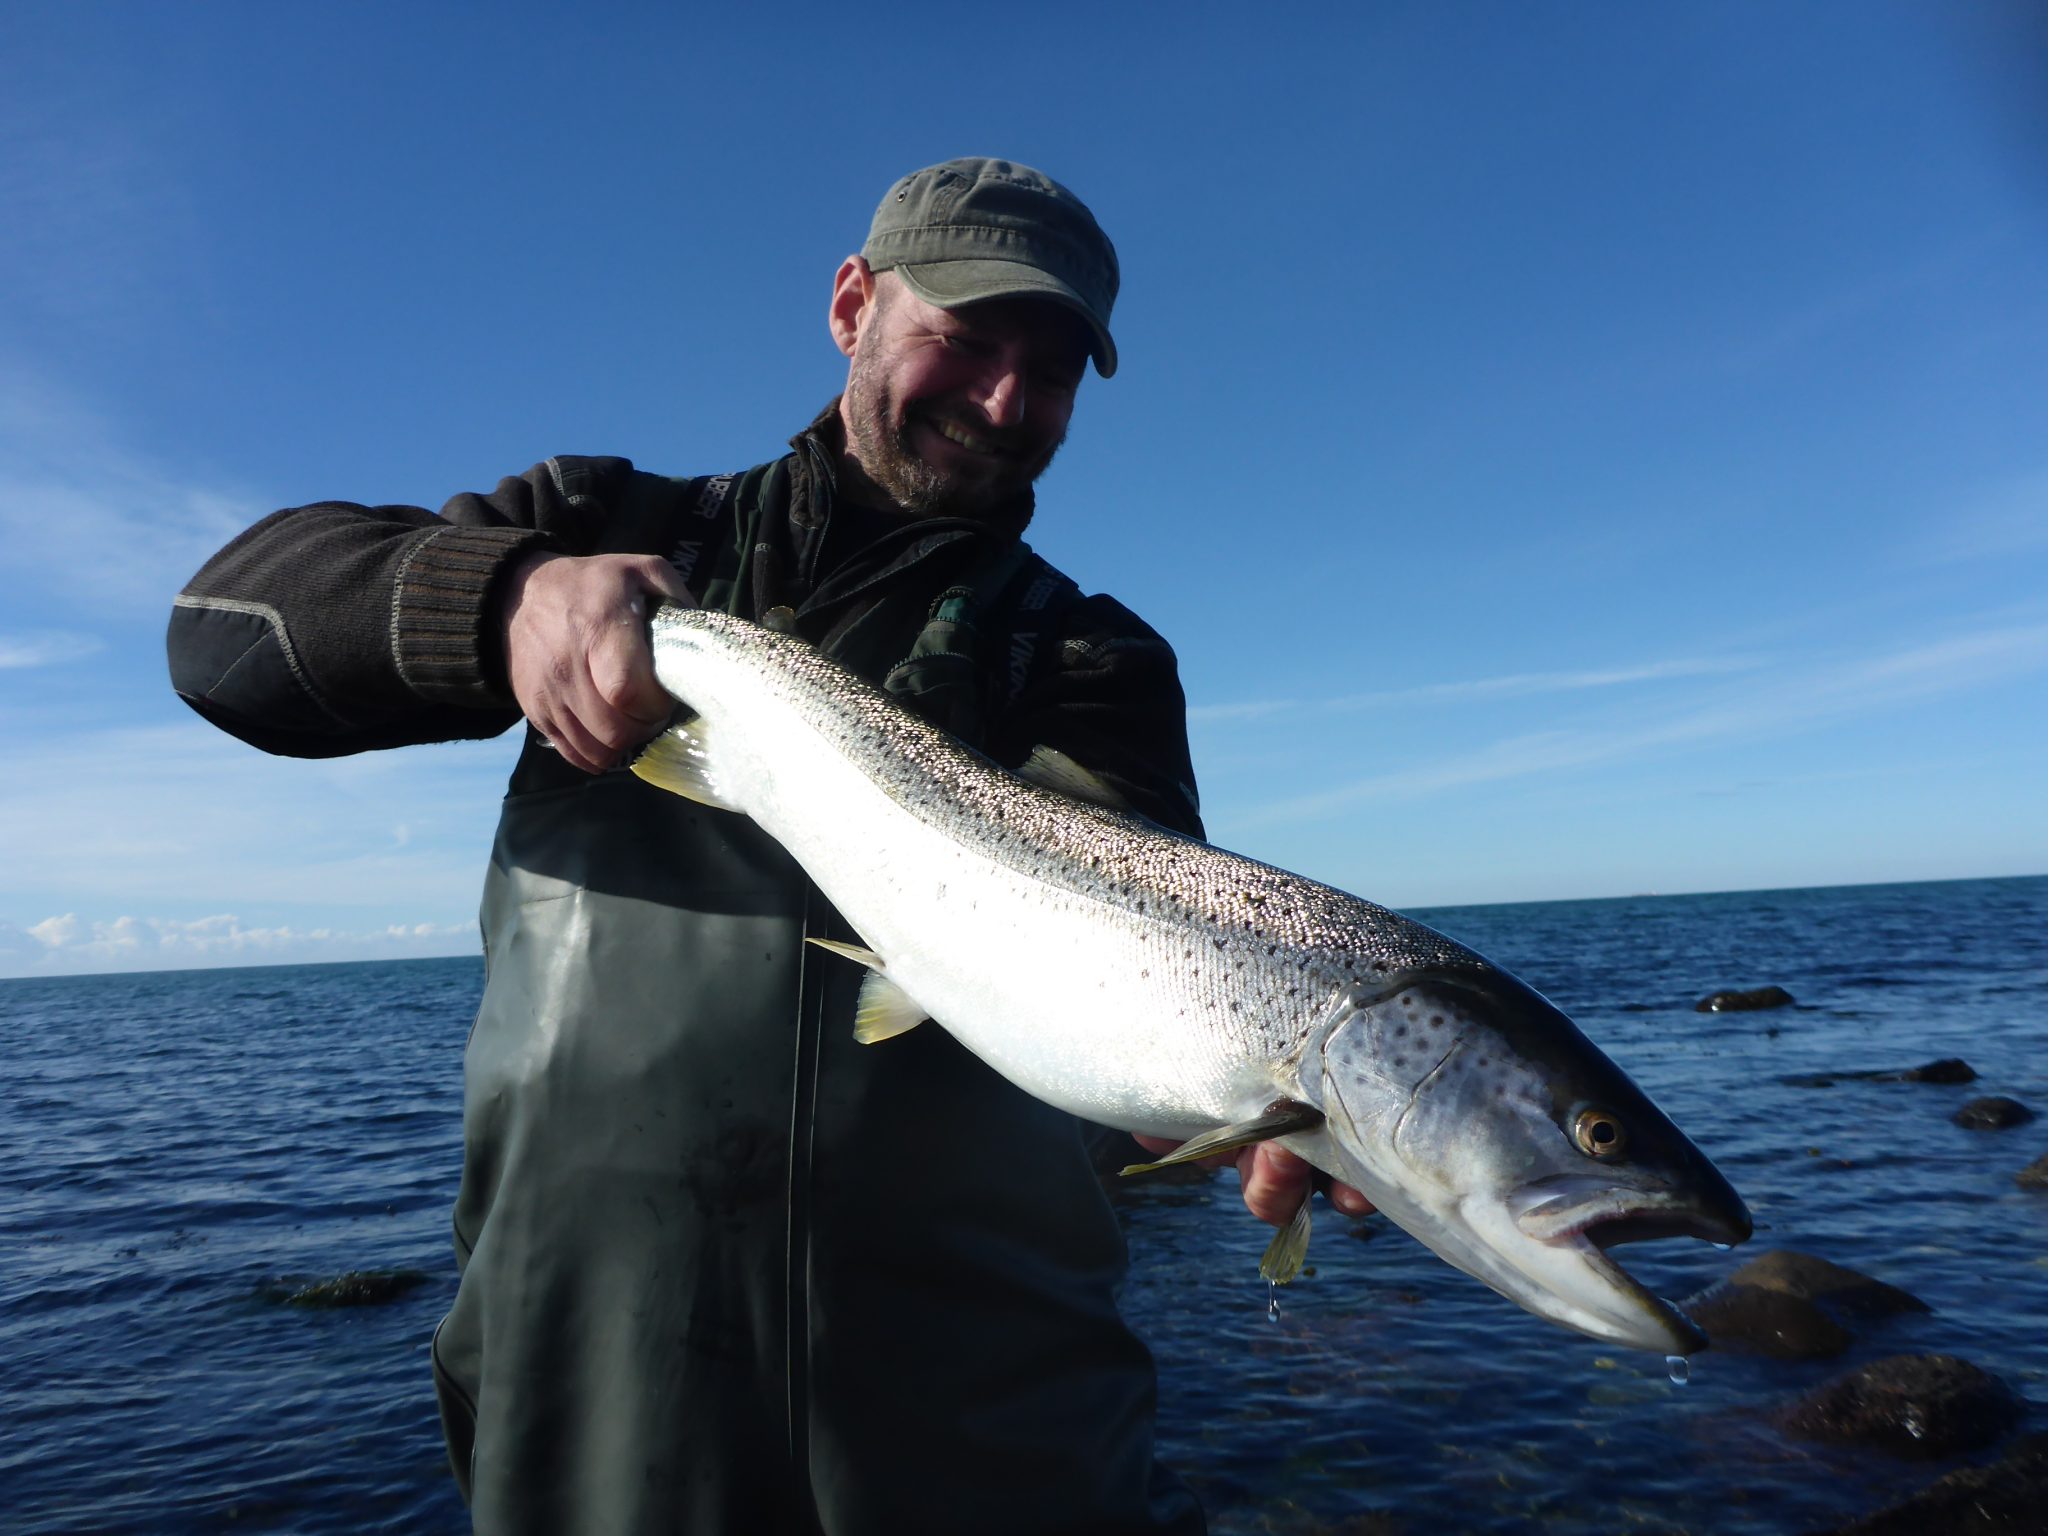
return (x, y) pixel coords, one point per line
(1379, 965)
(1272, 949)
(1436, 1021)
(1143, 974)
(1400, 1031)
(1217, 942)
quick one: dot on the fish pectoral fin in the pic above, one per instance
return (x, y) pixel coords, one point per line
(679, 760)
(1050, 768)
(1282, 1118)
(884, 1010)
(855, 952)
(1283, 1257)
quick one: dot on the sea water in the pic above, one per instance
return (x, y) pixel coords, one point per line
(179, 1151)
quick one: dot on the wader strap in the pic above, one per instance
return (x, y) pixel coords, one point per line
(981, 643)
(803, 1121)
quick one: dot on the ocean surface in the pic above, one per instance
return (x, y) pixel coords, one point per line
(180, 1151)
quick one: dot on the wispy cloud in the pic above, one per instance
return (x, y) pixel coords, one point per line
(89, 520)
(1508, 685)
(68, 943)
(46, 648)
(2006, 521)
(1787, 704)
(180, 816)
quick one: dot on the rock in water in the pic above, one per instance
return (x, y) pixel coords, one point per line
(2007, 1496)
(1917, 1406)
(1995, 1113)
(358, 1288)
(1794, 1306)
(1949, 1069)
(1753, 1000)
(2034, 1175)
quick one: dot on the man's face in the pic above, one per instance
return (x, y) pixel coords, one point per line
(957, 412)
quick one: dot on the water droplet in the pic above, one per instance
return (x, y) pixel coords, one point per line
(1273, 1301)
(1680, 1368)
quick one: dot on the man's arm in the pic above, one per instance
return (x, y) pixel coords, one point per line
(337, 628)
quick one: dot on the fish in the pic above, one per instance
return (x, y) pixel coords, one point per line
(1154, 983)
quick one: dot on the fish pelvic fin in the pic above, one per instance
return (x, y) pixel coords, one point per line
(884, 1010)
(680, 760)
(1283, 1117)
(1050, 768)
(1283, 1257)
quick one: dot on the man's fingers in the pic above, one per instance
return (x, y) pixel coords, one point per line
(660, 578)
(1275, 1182)
(622, 675)
(1349, 1200)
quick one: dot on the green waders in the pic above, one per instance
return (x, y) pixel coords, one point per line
(724, 1270)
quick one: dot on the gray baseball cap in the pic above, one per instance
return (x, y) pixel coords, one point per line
(974, 229)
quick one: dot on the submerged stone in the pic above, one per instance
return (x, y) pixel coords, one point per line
(2006, 1496)
(1738, 1000)
(1794, 1306)
(1994, 1113)
(1915, 1406)
(1744, 1320)
(1949, 1069)
(358, 1288)
(2034, 1175)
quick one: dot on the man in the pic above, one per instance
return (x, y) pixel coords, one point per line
(723, 1269)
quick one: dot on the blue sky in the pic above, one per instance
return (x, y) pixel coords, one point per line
(1577, 449)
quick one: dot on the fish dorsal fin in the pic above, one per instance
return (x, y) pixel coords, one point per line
(1050, 768)
(681, 761)
(883, 1010)
(1283, 1117)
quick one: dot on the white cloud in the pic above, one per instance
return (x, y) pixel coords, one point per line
(2007, 521)
(90, 521)
(180, 816)
(1793, 701)
(45, 648)
(69, 943)
(1509, 685)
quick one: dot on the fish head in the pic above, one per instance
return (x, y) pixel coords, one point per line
(1479, 1117)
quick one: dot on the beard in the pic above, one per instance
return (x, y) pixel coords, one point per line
(884, 450)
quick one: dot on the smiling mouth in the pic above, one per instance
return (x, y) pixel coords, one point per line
(961, 436)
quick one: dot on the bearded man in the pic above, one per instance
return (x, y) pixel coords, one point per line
(722, 1268)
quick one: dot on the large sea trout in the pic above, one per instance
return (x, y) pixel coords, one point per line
(1150, 982)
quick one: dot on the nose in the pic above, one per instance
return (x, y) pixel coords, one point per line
(1002, 395)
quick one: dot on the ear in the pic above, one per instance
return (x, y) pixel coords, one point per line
(853, 292)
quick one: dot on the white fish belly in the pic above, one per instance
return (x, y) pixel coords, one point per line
(1071, 998)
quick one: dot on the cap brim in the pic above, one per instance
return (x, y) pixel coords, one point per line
(950, 284)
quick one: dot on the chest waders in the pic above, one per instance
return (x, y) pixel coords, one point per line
(724, 1270)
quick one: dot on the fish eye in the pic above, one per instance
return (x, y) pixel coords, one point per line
(1599, 1133)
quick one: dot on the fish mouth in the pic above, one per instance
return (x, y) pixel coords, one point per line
(1583, 1218)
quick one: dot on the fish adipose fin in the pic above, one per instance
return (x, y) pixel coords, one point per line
(679, 760)
(1279, 1119)
(1283, 1257)
(883, 1010)
(1052, 769)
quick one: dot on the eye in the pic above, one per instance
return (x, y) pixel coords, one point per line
(1599, 1133)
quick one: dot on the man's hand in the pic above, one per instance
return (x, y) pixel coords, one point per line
(1275, 1181)
(576, 654)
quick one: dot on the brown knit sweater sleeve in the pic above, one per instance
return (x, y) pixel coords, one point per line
(336, 628)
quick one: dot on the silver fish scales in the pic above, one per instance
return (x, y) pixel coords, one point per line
(1157, 984)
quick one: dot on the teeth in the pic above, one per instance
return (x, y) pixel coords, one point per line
(963, 437)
